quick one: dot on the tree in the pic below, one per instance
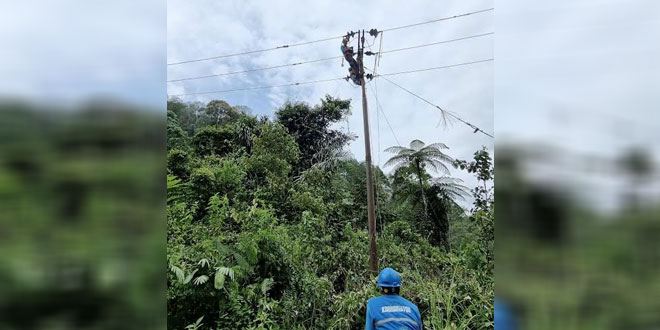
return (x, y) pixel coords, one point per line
(451, 188)
(267, 225)
(212, 140)
(310, 127)
(482, 167)
(483, 211)
(418, 157)
(219, 112)
(176, 136)
(637, 163)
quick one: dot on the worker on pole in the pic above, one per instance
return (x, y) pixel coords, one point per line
(348, 53)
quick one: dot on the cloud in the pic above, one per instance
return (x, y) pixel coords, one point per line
(72, 50)
(582, 76)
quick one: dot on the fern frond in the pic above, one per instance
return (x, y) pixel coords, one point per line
(180, 275)
(201, 280)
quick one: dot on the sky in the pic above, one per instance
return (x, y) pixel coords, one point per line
(581, 76)
(203, 29)
(66, 52)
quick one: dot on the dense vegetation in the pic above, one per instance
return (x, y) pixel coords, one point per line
(267, 223)
(563, 265)
(81, 217)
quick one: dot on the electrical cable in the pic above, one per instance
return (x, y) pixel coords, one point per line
(326, 59)
(321, 40)
(476, 129)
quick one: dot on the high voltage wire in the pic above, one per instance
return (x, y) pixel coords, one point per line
(328, 58)
(322, 40)
(331, 79)
(261, 87)
(439, 19)
(433, 68)
(254, 51)
(476, 129)
(256, 69)
(436, 43)
(384, 115)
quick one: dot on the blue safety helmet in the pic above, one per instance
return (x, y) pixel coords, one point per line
(388, 277)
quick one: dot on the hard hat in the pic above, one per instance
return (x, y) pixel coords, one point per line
(388, 277)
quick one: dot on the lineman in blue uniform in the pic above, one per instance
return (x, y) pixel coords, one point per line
(391, 311)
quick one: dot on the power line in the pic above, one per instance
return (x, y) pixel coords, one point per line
(325, 59)
(476, 129)
(326, 80)
(261, 87)
(385, 116)
(439, 19)
(322, 40)
(256, 69)
(434, 68)
(255, 51)
(436, 43)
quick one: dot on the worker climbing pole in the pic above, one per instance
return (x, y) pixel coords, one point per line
(356, 74)
(348, 53)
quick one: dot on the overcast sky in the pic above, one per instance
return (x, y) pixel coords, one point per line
(72, 50)
(199, 29)
(583, 76)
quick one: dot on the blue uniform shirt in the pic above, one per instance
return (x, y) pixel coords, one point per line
(504, 317)
(392, 312)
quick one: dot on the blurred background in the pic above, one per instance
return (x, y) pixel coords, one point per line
(578, 165)
(82, 165)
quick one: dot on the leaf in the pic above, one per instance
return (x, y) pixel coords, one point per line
(416, 144)
(199, 320)
(189, 277)
(201, 280)
(266, 285)
(195, 325)
(227, 272)
(219, 280)
(203, 262)
(180, 275)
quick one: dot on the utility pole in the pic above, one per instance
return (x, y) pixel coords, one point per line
(371, 214)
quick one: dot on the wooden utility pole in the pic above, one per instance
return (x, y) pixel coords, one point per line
(371, 214)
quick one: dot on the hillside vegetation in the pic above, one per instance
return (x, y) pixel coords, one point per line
(267, 223)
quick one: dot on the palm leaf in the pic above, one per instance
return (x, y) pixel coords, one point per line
(417, 144)
(180, 275)
(201, 280)
(397, 149)
(438, 166)
(189, 277)
(396, 160)
(203, 262)
(436, 145)
(219, 280)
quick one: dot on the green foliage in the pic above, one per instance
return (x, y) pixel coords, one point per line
(268, 230)
(212, 140)
(81, 219)
(482, 167)
(177, 163)
(415, 185)
(310, 127)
